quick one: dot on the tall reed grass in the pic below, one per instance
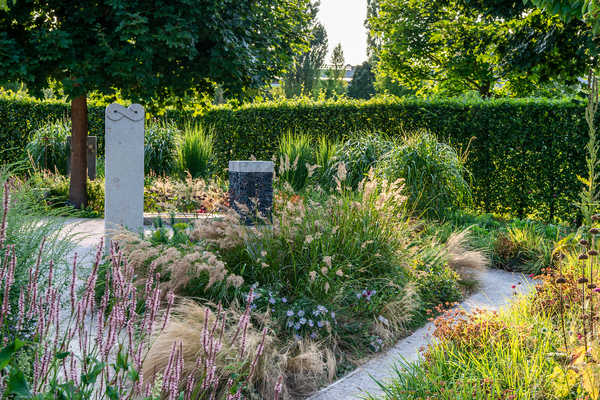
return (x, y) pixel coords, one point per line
(196, 151)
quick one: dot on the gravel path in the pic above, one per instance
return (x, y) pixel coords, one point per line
(495, 291)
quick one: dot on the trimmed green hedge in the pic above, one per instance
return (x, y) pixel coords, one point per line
(19, 118)
(524, 154)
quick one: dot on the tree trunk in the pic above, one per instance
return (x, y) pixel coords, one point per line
(79, 131)
(485, 90)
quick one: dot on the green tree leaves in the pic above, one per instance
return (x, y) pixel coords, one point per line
(150, 50)
(488, 46)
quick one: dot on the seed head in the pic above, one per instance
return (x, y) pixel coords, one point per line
(591, 286)
(583, 256)
(584, 242)
(582, 280)
(596, 217)
(594, 231)
(593, 252)
(561, 280)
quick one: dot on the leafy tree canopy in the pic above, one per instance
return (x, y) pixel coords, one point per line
(148, 49)
(488, 46)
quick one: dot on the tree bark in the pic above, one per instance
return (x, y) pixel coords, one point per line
(79, 133)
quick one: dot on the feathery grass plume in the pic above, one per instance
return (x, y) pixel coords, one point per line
(295, 157)
(182, 266)
(225, 232)
(313, 366)
(398, 314)
(462, 259)
(195, 154)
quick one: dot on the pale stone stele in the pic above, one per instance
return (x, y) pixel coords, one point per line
(124, 168)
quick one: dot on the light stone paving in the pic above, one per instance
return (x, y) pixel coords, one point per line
(495, 291)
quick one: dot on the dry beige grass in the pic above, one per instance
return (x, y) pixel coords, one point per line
(462, 259)
(305, 365)
(398, 314)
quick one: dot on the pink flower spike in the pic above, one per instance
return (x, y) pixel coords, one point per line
(73, 282)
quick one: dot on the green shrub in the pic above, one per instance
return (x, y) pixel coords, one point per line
(160, 147)
(48, 148)
(196, 153)
(295, 158)
(437, 284)
(361, 153)
(433, 173)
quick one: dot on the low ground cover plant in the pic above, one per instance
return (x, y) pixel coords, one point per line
(48, 192)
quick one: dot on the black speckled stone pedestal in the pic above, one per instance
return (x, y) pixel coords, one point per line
(251, 189)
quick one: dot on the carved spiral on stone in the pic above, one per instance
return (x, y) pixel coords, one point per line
(116, 112)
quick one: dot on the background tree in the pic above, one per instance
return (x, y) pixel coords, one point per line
(306, 69)
(334, 85)
(361, 85)
(148, 50)
(534, 49)
(490, 46)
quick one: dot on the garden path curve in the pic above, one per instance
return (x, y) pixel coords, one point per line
(495, 291)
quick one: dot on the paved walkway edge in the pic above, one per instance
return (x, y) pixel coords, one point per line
(496, 289)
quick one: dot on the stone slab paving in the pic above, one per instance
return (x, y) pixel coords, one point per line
(88, 233)
(495, 291)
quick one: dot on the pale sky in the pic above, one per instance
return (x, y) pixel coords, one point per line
(344, 22)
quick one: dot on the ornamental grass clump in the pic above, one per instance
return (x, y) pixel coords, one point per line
(195, 154)
(434, 173)
(48, 148)
(295, 160)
